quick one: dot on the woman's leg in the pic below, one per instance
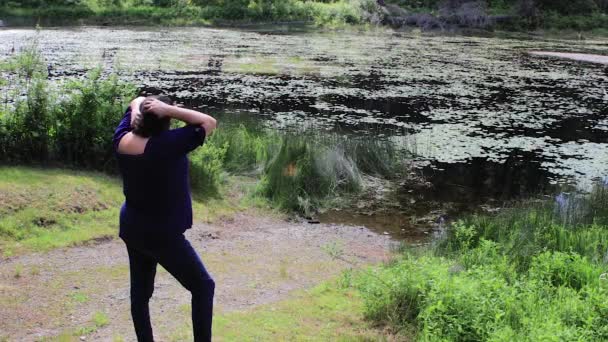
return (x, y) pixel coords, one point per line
(182, 261)
(143, 270)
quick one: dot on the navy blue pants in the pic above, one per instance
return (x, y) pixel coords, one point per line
(177, 256)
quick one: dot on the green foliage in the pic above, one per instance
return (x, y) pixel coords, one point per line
(26, 130)
(246, 149)
(574, 224)
(300, 172)
(532, 273)
(87, 117)
(69, 125)
(206, 169)
(564, 269)
(179, 12)
(305, 171)
(443, 301)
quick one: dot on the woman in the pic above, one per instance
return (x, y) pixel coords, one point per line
(158, 209)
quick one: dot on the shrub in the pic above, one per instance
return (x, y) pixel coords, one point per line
(441, 301)
(28, 127)
(564, 269)
(87, 117)
(69, 125)
(533, 273)
(206, 169)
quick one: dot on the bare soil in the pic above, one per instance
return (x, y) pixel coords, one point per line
(255, 259)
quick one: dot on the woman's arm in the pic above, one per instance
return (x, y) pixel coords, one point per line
(188, 116)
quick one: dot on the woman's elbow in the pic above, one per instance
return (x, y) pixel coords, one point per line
(209, 125)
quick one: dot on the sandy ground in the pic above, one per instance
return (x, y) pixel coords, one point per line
(254, 260)
(583, 57)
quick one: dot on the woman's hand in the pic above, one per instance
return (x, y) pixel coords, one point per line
(157, 107)
(135, 108)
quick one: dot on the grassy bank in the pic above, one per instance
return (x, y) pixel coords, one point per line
(536, 272)
(511, 15)
(42, 209)
(323, 13)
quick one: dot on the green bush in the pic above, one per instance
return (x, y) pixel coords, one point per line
(180, 12)
(27, 129)
(564, 269)
(206, 169)
(69, 125)
(441, 301)
(87, 117)
(535, 272)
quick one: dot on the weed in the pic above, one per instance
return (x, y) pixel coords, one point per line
(283, 265)
(100, 319)
(18, 271)
(334, 249)
(118, 338)
(79, 297)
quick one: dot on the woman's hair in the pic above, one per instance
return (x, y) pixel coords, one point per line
(147, 124)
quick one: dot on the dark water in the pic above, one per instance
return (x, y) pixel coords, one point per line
(487, 121)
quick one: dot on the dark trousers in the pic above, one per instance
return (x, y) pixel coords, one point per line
(177, 256)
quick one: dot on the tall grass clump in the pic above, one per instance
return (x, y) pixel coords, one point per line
(299, 172)
(534, 272)
(300, 175)
(308, 169)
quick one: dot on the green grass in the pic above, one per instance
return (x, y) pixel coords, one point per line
(323, 313)
(43, 209)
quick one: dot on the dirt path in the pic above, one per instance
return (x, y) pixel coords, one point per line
(583, 57)
(254, 260)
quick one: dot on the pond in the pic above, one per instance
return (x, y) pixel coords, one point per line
(486, 120)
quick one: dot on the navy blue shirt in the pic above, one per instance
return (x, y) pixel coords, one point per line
(155, 183)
